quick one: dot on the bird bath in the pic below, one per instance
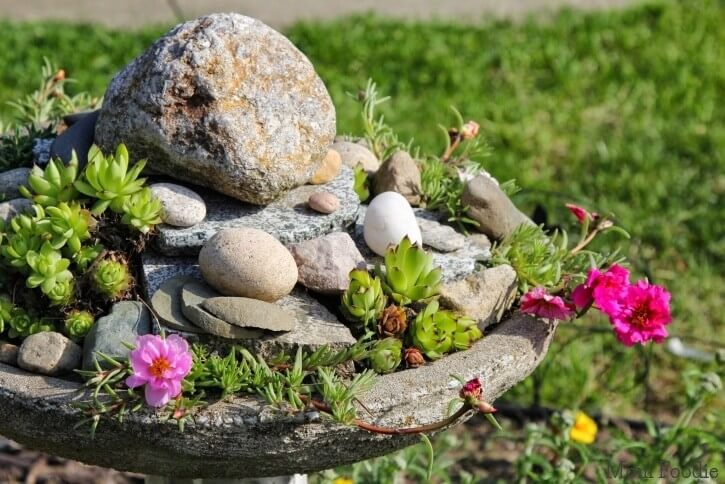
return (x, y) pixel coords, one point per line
(243, 438)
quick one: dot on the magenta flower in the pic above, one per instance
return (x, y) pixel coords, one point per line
(472, 389)
(544, 305)
(605, 289)
(160, 364)
(644, 314)
(580, 213)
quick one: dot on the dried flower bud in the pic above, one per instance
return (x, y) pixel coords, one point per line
(394, 321)
(414, 358)
(469, 130)
(472, 390)
(59, 76)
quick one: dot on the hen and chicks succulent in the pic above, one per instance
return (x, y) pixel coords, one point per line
(407, 279)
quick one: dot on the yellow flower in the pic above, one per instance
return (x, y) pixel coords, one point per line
(584, 430)
(342, 480)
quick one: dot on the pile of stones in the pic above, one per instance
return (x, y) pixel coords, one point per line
(261, 222)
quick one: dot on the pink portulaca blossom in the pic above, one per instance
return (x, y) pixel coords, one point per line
(160, 364)
(644, 314)
(581, 214)
(544, 305)
(605, 289)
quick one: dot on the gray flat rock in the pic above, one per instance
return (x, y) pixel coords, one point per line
(314, 324)
(441, 237)
(250, 313)
(288, 219)
(195, 292)
(213, 325)
(166, 302)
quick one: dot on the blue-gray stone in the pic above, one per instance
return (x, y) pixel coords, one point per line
(126, 321)
(10, 181)
(288, 219)
(79, 137)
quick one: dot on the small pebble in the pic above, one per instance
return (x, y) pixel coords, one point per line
(323, 202)
(328, 170)
(182, 207)
(11, 208)
(8, 354)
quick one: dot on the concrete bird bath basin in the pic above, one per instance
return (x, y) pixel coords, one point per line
(241, 437)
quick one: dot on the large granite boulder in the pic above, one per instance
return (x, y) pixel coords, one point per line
(225, 102)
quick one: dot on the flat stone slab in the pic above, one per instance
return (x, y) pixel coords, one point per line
(314, 324)
(288, 219)
(242, 437)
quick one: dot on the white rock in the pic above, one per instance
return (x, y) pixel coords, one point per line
(182, 207)
(388, 219)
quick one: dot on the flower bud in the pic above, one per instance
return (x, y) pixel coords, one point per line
(469, 130)
(414, 358)
(472, 390)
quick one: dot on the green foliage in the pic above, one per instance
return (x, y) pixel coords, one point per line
(49, 102)
(361, 183)
(142, 211)
(16, 146)
(111, 278)
(49, 271)
(6, 309)
(409, 274)
(70, 226)
(551, 455)
(537, 258)
(54, 184)
(78, 323)
(87, 255)
(363, 301)
(381, 139)
(341, 394)
(436, 332)
(386, 355)
(23, 236)
(23, 324)
(109, 180)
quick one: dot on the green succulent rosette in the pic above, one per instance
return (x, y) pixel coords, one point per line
(78, 323)
(6, 311)
(409, 273)
(142, 211)
(48, 269)
(386, 355)
(53, 185)
(364, 301)
(109, 179)
(436, 332)
(111, 278)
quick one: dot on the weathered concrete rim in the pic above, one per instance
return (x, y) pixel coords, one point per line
(242, 437)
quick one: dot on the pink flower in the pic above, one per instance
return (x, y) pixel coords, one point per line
(605, 289)
(544, 305)
(160, 364)
(469, 130)
(580, 213)
(644, 314)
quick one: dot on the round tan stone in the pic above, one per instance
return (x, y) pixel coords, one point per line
(248, 262)
(323, 202)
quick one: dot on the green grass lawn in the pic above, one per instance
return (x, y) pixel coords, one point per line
(619, 111)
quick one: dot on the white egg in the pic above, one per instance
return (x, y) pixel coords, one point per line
(388, 219)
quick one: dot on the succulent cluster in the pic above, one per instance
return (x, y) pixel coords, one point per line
(385, 303)
(53, 256)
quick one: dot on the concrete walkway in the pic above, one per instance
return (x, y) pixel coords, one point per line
(280, 13)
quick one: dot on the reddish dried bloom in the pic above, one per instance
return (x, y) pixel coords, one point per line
(394, 321)
(414, 358)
